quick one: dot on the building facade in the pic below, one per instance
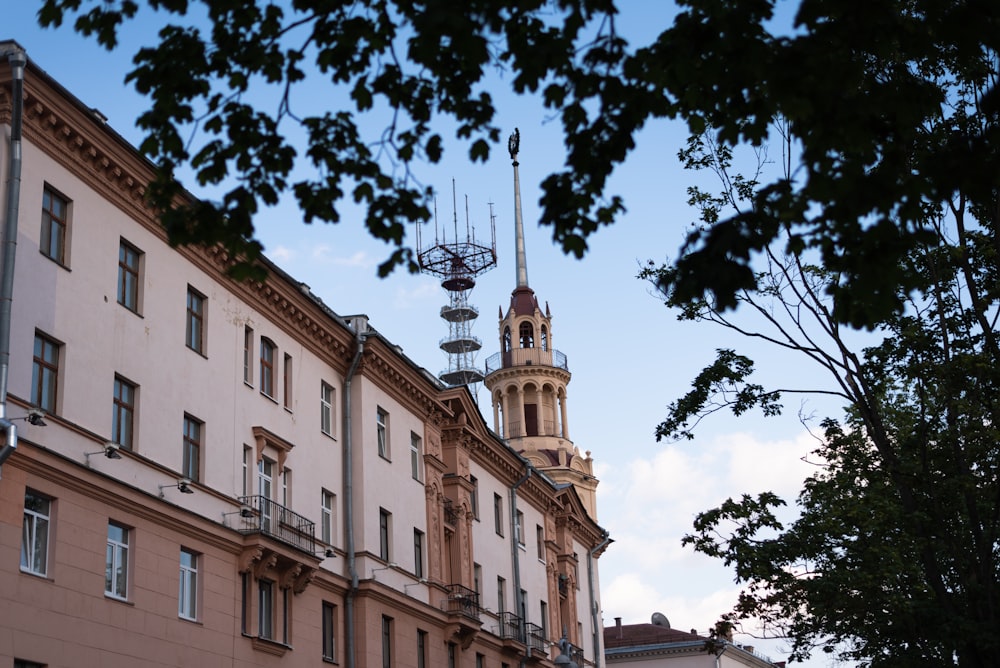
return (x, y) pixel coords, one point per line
(213, 473)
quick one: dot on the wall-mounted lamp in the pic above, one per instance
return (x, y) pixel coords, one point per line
(329, 553)
(34, 417)
(110, 451)
(184, 485)
(384, 568)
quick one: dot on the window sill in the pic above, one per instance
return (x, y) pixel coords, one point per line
(130, 310)
(248, 384)
(269, 646)
(53, 260)
(190, 620)
(196, 351)
(385, 458)
(329, 436)
(116, 599)
(268, 396)
(327, 659)
(40, 576)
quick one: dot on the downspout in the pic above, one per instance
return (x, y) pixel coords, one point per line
(594, 612)
(352, 571)
(515, 557)
(17, 59)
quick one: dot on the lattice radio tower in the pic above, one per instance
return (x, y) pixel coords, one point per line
(457, 263)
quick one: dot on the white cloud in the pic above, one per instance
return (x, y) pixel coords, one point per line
(280, 254)
(359, 259)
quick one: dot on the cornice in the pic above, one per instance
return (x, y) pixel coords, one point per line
(402, 380)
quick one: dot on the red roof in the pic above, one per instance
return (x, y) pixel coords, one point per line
(635, 635)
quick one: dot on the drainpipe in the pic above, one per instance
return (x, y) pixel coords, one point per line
(516, 558)
(594, 612)
(18, 59)
(359, 338)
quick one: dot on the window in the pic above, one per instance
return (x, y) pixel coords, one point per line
(124, 413)
(382, 432)
(519, 528)
(286, 378)
(329, 622)
(267, 367)
(286, 487)
(55, 222)
(421, 649)
(128, 275)
(543, 610)
(416, 465)
(190, 467)
(480, 660)
(545, 338)
(35, 533)
(248, 355)
(540, 540)
(451, 655)
(527, 335)
(326, 409)
(195, 328)
(21, 663)
(418, 553)
(326, 517)
(384, 532)
(474, 498)
(247, 482)
(265, 609)
(187, 596)
(45, 373)
(506, 339)
(498, 514)
(116, 562)
(501, 596)
(477, 578)
(386, 642)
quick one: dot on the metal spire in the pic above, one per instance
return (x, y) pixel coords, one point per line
(513, 144)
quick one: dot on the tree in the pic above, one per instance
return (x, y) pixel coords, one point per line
(894, 558)
(855, 83)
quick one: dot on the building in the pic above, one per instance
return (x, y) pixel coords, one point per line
(198, 472)
(656, 645)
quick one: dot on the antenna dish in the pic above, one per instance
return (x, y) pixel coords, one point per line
(660, 619)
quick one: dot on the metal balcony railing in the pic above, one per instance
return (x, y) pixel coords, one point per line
(526, 357)
(450, 515)
(264, 516)
(536, 636)
(463, 601)
(511, 627)
(576, 654)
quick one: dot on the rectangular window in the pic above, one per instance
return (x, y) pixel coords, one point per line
(187, 596)
(267, 367)
(327, 412)
(287, 381)
(543, 610)
(21, 663)
(416, 457)
(501, 596)
(519, 528)
(540, 540)
(265, 483)
(35, 533)
(265, 609)
(451, 655)
(124, 413)
(382, 432)
(248, 355)
(247, 483)
(418, 553)
(191, 465)
(128, 275)
(116, 562)
(45, 373)
(386, 642)
(498, 514)
(326, 517)
(480, 660)
(384, 533)
(195, 326)
(474, 499)
(55, 224)
(421, 649)
(477, 577)
(329, 622)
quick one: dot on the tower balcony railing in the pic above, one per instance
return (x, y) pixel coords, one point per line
(548, 428)
(526, 357)
(266, 517)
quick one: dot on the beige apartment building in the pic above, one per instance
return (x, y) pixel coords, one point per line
(198, 472)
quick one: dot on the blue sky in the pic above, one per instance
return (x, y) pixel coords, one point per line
(628, 354)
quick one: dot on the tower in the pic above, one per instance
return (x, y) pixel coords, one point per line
(457, 263)
(527, 379)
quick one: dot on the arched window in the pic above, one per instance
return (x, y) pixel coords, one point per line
(527, 335)
(545, 338)
(506, 339)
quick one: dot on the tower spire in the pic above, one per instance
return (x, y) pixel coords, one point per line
(513, 145)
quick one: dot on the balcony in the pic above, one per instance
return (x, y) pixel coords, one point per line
(536, 637)
(462, 601)
(261, 515)
(450, 514)
(526, 357)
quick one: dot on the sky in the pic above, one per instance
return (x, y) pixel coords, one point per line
(629, 356)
